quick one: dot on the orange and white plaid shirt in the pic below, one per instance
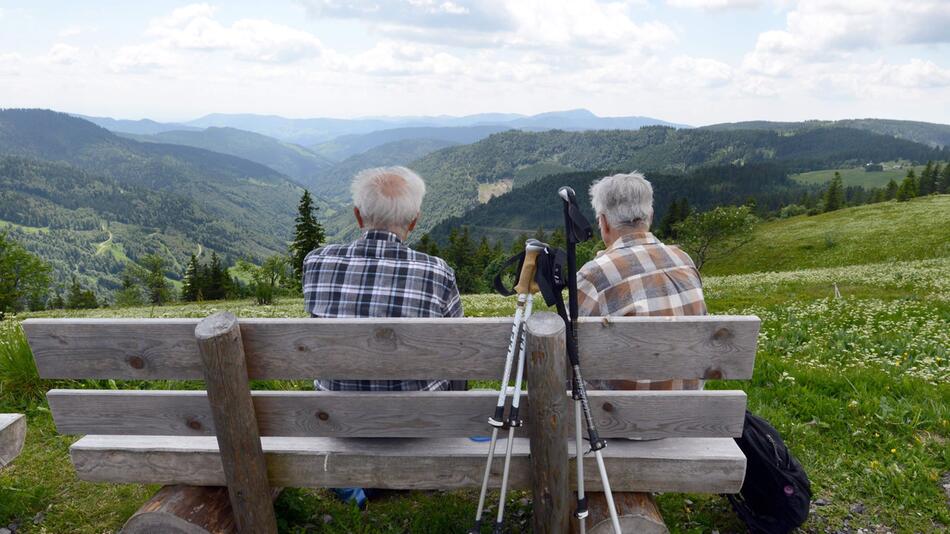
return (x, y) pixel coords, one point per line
(639, 275)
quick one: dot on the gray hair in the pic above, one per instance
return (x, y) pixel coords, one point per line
(388, 197)
(624, 199)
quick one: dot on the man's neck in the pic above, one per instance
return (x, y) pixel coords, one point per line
(635, 231)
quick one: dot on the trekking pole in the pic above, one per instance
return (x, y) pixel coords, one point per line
(526, 284)
(497, 420)
(577, 229)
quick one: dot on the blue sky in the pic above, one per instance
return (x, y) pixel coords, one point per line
(687, 61)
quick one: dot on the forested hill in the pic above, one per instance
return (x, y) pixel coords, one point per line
(89, 201)
(453, 175)
(928, 133)
(295, 161)
(537, 205)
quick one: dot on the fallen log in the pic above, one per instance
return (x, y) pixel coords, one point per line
(638, 513)
(186, 510)
(12, 436)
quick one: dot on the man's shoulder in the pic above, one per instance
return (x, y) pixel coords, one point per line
(433, 263)
(325, 251)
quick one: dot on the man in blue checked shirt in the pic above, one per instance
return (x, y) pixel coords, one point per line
(379, 276)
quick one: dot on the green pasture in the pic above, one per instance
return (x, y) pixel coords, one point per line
(857, 176)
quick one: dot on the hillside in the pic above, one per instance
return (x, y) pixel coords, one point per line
(152, 197)
(335, 181)
(295, 161)
(857, 176)
(453, 175)
(874, 233)
(928, 133)
(135, 127)
(349, 145)
(537, 204)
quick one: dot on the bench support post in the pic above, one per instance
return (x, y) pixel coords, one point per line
(12, 436)
(550, 419)
(239, 442)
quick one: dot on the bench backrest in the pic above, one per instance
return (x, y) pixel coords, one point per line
(656, 348)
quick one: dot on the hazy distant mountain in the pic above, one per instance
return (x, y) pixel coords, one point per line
(309, 132)
(295, 161)
(348, 145)
(140, 127)
(928, 133)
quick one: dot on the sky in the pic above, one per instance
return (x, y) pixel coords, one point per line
(686, 61)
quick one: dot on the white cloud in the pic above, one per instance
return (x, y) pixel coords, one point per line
(715, 5)
(702, 72)
(829, 30)
(142, 58)
(10, 64)
(63, 54)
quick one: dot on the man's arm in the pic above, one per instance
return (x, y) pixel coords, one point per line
(452, 299)
(588, 303)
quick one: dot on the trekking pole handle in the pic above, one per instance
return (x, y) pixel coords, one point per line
(526, 284)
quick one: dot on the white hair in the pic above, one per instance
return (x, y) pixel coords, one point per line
(388, 197)
(624, 199)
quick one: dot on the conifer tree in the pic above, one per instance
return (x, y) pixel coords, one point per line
(908, 188)
(834, 195)
(944, 183)
(928, 180)
(890, 191)
(157, 287)
(191, 282)
(427, 245)
(308, 235)
(217, 281)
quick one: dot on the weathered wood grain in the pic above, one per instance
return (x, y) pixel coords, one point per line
(185, 510)
(12, 436)
(637, 511)
(459, 349)
(700, 465)
(245, 469)
(546, 371)
(640, 414)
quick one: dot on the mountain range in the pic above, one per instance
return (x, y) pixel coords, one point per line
(90, 200)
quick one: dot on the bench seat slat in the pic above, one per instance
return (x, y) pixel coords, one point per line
(458, 349)
(643, 414)
(707, 465)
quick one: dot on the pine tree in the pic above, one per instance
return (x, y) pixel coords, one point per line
(890, 191)
(834, 195)
(558, 239)
(157, 287)
(908, 188)
(944, 185)
(217, 284)
(427, 245)
(308, 235)
(130, 294)
(540, 235)
(79, 298)
(191, 282)
(928, 180)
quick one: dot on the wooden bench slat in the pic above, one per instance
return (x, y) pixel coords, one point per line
(704, 465)
(643, 414)
(12, 436)
(457, 349)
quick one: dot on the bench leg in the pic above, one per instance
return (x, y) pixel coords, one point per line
(638, 513)
(185, 510)
(12, 436)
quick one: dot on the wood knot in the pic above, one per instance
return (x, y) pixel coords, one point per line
(323, 416)
(385, 337)
(722, 334)
(302, 348)
(608, 407)
(194, 424)
(713, 373)
(136, 362)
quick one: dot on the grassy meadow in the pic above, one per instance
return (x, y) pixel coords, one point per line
(859, 386)
(857, 176)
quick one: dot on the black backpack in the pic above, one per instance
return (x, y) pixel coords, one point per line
(776, 494)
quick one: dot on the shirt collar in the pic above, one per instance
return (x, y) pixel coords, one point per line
(633, 240)
(380, 235)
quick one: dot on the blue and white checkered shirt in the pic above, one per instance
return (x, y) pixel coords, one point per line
(378, 276)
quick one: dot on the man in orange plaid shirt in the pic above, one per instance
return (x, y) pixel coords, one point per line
(637, 274)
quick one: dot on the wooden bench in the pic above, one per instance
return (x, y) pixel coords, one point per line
(251, 441)
(12, 437)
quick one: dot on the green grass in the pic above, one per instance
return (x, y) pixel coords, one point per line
(857, 176)
(858, 386)
(874, 233)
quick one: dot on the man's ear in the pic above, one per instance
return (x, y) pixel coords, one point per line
(359, 218)
(604, 225)
(413, 223)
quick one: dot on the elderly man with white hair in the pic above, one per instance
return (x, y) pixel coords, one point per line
(378, 275)
(637, 274)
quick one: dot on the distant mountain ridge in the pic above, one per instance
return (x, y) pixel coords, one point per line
(928, 133)
(295, 161)
(349, 145)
